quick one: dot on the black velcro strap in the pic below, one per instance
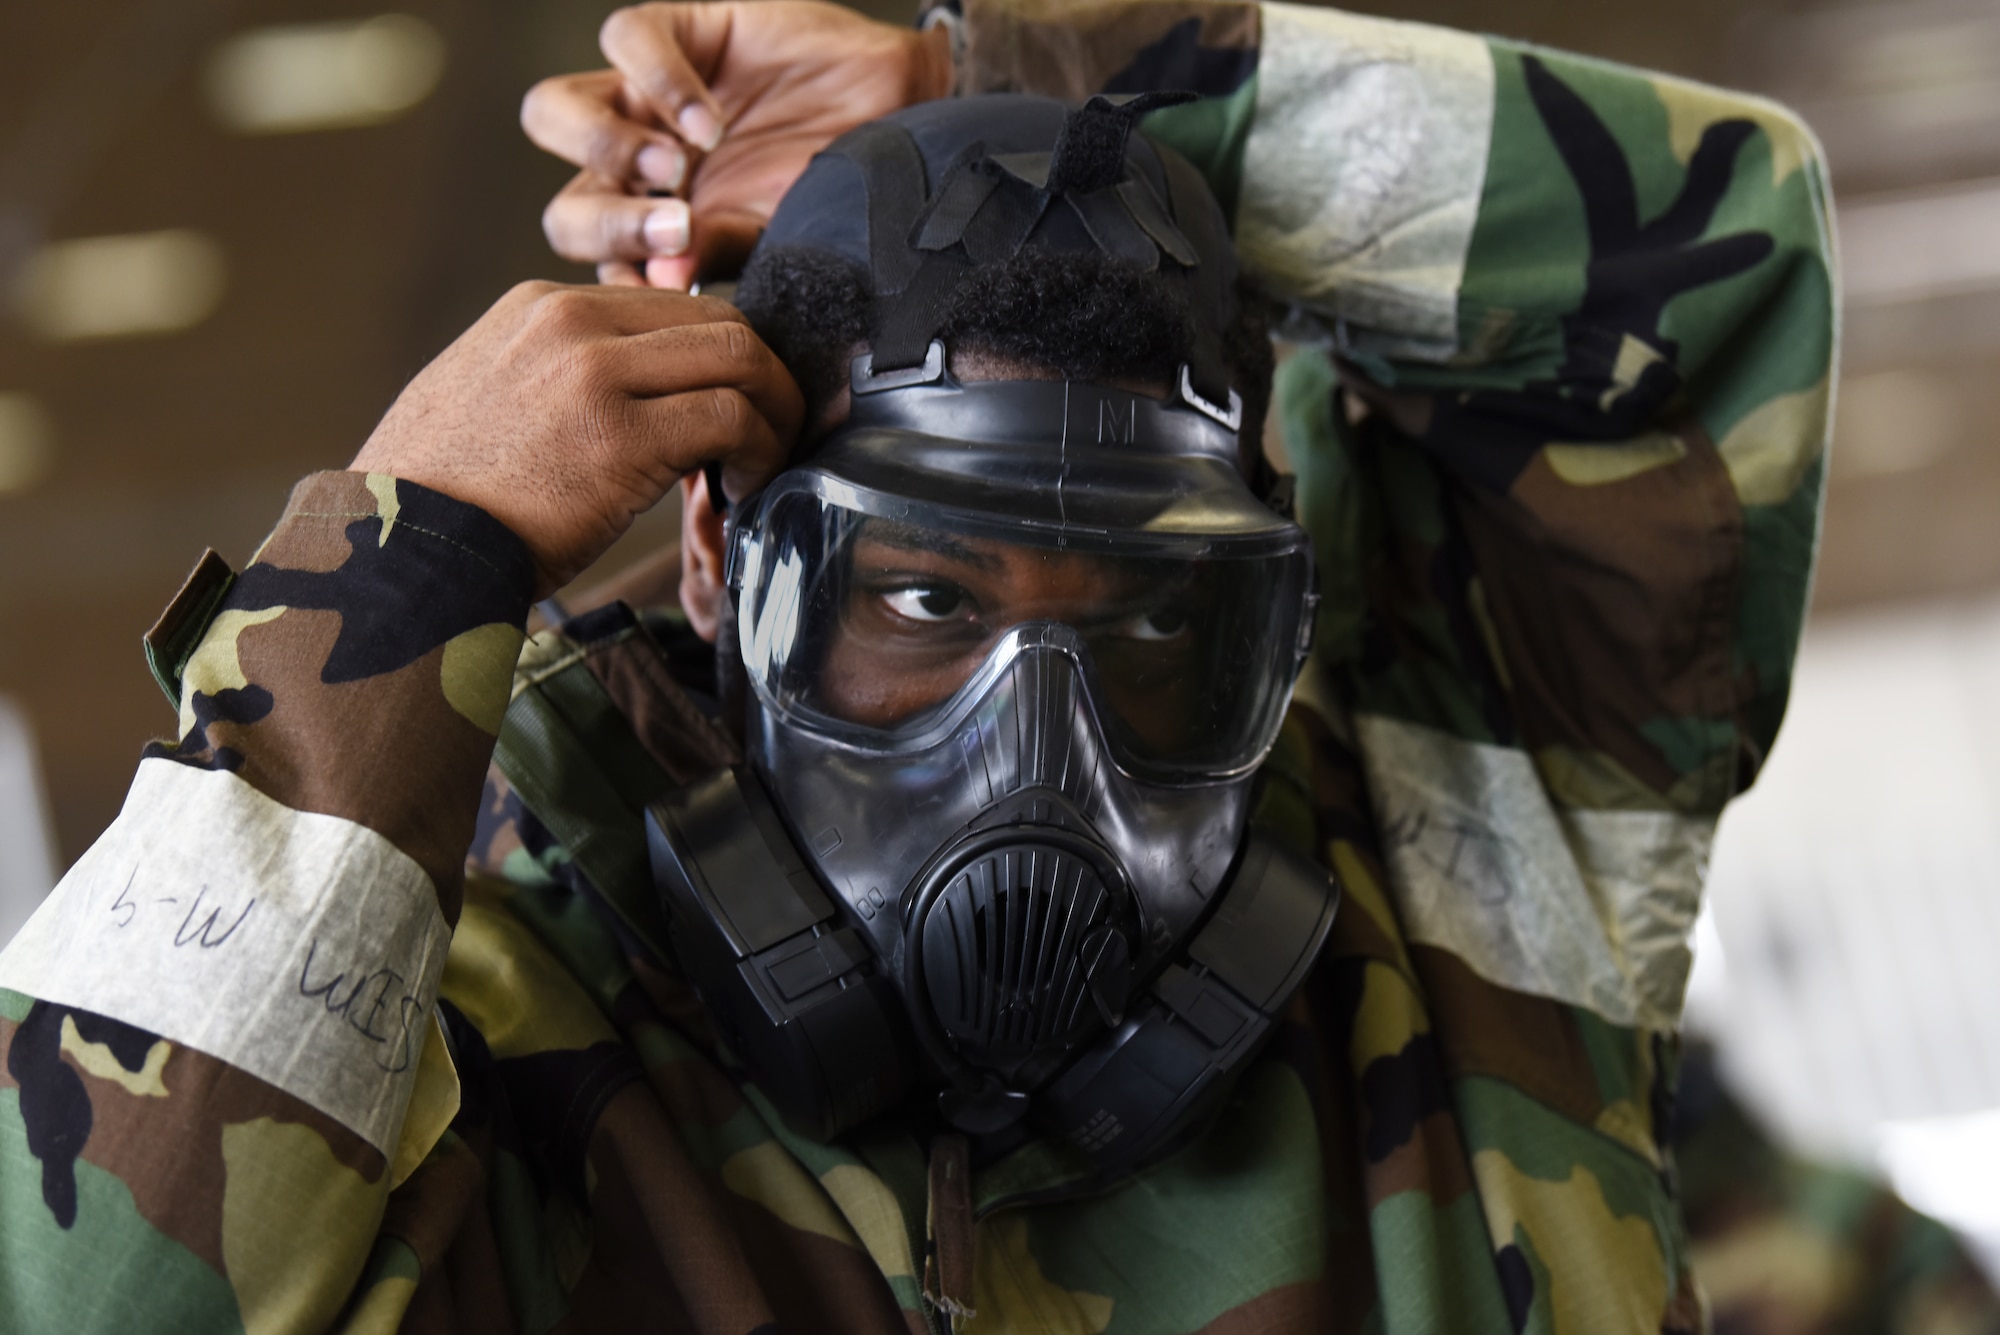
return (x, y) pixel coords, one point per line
(1090, 153)
(912, 286)
(1114, 229)
(1210, 289)
(906, 322)
(1000, 228)
(1151, 214)
(965, 188)
(897, 188)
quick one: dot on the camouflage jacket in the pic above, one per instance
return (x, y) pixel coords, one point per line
(1784, 1245)
(275, 1061)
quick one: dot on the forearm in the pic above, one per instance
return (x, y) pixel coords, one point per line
(1521, 258)
(1441, 196)
(243, 968)
(1565, 505)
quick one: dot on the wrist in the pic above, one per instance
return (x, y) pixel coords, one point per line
(936, 48)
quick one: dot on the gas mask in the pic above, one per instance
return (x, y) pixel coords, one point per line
(1014, 652)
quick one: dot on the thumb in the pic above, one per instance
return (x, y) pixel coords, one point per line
(658, 49)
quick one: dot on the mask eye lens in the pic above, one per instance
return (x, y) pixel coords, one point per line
(875, 628)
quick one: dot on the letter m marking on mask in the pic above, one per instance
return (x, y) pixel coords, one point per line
(1117, 423)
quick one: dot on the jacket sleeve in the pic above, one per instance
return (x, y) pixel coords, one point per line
(1559, 424)
(220, 1046)
(1558, 419)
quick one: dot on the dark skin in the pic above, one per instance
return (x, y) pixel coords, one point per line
(920, 620)
(701, 522)
(567, 411)
(706, 116)
(924, 610)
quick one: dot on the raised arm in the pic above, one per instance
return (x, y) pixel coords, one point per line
(1559, 428)
(1601, 299)
(218, 1032)
(1560, 431)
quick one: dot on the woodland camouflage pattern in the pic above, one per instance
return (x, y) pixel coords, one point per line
(1785, 1246)
(1566, 511)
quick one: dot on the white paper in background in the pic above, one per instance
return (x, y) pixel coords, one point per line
(27, 850)
(1856, 893)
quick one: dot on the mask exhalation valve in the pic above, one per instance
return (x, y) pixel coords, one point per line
(1024, 951)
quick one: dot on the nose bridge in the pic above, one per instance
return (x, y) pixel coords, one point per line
(1039, 726)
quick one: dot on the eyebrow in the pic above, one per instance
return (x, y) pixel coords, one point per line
(909, 538)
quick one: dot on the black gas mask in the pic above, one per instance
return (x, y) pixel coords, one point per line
(1015, 651)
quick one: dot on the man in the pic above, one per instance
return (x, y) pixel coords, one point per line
(1563, 508)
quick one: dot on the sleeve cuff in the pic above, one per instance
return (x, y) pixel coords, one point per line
(361, 665)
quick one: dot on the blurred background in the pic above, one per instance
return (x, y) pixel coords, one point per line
(231, 229)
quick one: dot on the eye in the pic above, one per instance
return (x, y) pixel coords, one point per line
(1162, 623)
(928, 602)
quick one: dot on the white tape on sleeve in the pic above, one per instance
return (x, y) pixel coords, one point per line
(1594, 908)
(1363, 171)
(302, 948)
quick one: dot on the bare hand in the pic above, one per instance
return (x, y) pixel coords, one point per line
(722, 105)
(565, 412)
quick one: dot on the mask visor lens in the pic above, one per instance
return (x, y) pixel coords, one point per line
(882, 624)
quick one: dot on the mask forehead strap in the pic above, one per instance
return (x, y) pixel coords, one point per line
(912, 285)
(1210, 289)
(897, 188)
(1038, 412)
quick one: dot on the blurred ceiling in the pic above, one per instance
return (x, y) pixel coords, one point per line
(292, 206)
(341, 259)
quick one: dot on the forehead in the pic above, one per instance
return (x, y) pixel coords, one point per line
(884, 544)
(979, 553)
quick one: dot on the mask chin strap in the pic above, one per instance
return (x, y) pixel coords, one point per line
(802, 1002)
(789, 988)
(1135, 1095)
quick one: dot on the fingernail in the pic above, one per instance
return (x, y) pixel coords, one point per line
(667, 273)
(700, 126)
(662, 166)
(666, 228)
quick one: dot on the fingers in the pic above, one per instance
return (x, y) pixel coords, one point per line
(717, 354)
(721, 242)
(647, 344)
(582, 119)
(672, 274)
(716, 391)
(651, 46)
(593, 220)
(578, 315)
(565, 410)
(643, 239)
(689, 430)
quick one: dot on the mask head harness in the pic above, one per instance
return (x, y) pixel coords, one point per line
(1016, 650)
